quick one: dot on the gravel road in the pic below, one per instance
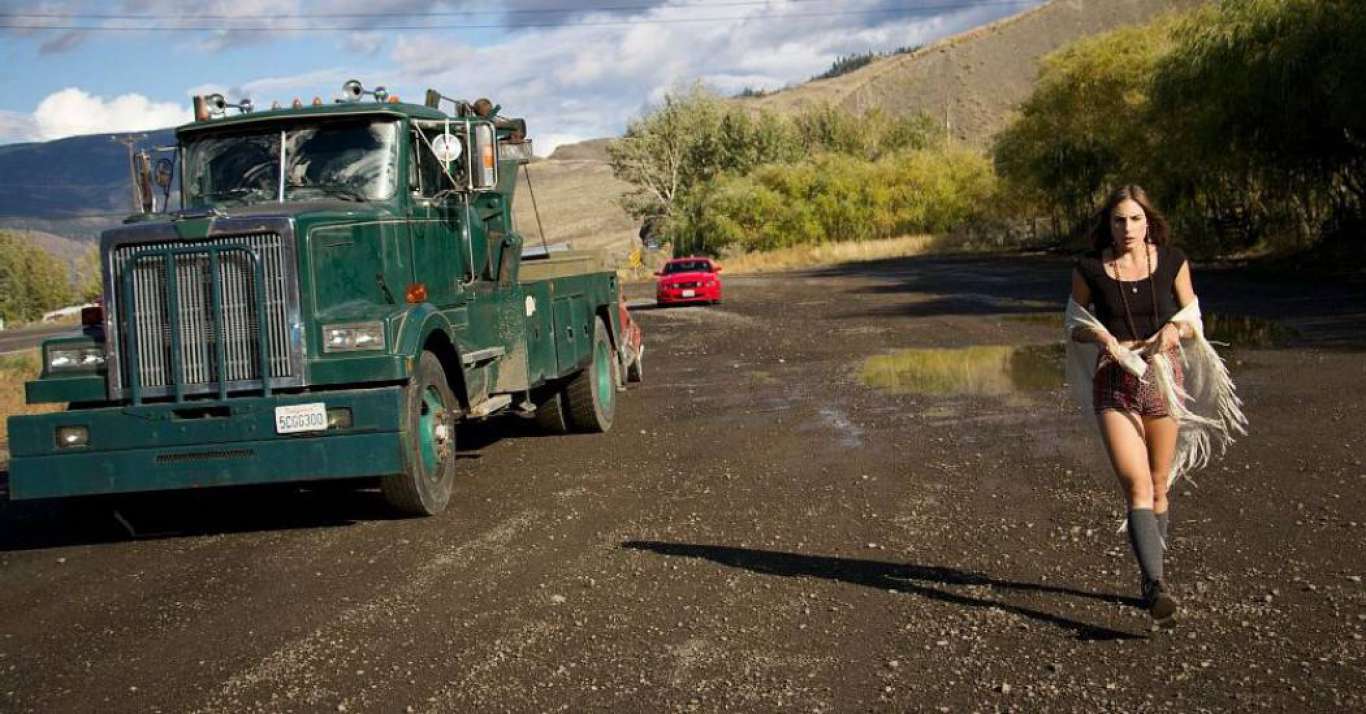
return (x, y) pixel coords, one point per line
(760, 531)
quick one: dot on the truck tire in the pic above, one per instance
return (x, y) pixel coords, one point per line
(428, 431)
(591, 396)
(636, 371)
(550, 412)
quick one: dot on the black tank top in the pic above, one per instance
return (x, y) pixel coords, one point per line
(1109, 305)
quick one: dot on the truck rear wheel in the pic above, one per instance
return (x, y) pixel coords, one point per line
(550, 412)
(430, 409)
(592, 393)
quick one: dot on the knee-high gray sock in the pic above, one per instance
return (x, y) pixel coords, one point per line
(1146, 541)
(1162, 520)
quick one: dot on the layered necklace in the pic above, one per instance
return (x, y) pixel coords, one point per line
(1152, 291)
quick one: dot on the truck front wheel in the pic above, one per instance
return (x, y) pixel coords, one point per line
(592, 393)
(430, 410)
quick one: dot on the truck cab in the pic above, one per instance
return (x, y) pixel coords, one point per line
(339, 287)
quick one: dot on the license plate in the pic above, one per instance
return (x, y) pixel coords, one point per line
(297, 418)
(689, 293)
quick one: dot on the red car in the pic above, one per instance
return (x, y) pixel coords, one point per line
(689, 280)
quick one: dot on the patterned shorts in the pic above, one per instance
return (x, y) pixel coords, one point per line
(1115, 388)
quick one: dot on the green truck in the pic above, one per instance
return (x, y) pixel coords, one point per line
(341, 286)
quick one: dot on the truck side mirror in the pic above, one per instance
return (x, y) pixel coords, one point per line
(484, 158)
(164, 173)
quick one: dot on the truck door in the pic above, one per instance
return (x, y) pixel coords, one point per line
(438, 261)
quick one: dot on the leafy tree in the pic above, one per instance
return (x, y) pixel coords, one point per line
(688, 140)
(88, 277)
(1271, 95)
(1086, 125)
(844, 64)
(713, 176)
(31, 281)
(1246, 120)
(833, 197)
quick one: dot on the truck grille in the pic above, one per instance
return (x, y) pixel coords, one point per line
(145, 312)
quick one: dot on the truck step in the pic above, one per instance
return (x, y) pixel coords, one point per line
(478, 356)
(490, 406)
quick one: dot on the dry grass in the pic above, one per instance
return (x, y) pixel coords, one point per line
(15, 369)
(973, 81)
(815, 256)
(991, 370)
(578, 205)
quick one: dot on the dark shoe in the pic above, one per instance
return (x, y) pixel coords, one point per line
(1159, 603)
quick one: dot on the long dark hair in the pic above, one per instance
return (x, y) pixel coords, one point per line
(1158, 233)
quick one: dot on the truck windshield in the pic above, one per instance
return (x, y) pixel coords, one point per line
(348, 160)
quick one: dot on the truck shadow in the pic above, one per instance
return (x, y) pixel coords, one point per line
(93, 520)
(910, 579)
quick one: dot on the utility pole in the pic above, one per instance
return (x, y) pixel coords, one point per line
(131, 140)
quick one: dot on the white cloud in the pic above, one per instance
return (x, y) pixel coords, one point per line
(589, 80)
(16, 127)
(72, 112)
(577, 80)
(367, 44)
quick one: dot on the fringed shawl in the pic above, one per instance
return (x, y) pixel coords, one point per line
(1208, 410)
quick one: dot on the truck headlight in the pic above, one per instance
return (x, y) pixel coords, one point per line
(354, 336)
(72, 437)
(60, 359)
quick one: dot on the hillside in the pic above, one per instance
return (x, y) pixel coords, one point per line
(972, 80)
(73, 187)
(577, 199)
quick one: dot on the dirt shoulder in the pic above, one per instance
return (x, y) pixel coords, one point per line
(759, 531)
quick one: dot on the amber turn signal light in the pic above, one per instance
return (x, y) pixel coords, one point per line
(416, 293)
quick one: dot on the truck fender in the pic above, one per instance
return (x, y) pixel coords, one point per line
(613, 327)
(425, 328)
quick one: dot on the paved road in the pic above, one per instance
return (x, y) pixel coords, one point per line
(30, 337)
(760, 531)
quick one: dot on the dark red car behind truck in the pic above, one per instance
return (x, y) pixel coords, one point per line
(689, 280)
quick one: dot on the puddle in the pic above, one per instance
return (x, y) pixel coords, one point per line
(1247, 332)
(851, 437)
(1236, 330)
(1047, 319)
(981, 370)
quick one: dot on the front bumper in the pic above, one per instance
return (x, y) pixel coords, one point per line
(159, 447)
(701, 294)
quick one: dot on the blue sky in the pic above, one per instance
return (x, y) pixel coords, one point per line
(576, 69)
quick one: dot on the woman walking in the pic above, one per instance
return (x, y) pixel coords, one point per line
(1160, 405)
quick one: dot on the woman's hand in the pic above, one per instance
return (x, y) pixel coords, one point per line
(1109, 343)
(1167, 338)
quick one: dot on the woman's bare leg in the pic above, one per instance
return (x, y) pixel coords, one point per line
(1125, 443)
(1161, 437)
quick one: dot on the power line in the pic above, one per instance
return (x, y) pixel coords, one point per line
(904, 11)
(361, 15)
